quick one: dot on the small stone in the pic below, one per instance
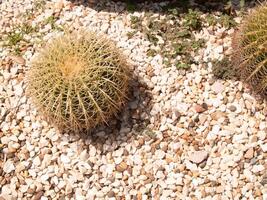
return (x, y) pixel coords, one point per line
(24, 188)
(65, 159)
(139, 196)
(262, 134)
(253, 139)
(12, 147)
(216, 102)
(176, 146)
(18, 90)
(264, 147)
(68, 189)
(30, 190)
(168, 159)
(177, 114)
(141, 142)
(18, 59)
(13, 138)
(220, 189)
(219, 49)
(159, 154)
(249, 153)
(232, 108)
(38, 195)
(6, 189)
(164, 148)
(117, 160)
(198, 157)
(257, 168)
(218, 87)
(217, 115)
(109, 169)
(5, 140)
(84, 155)
(92, 151)
(202, 118)
(196, 119)
(264, 180)
(59, 5)
(54, 138)
(111, 194)
(183, 107)
(199, 108)
(44, 178)
(20, 167)
(21, 137)
(39, 187)
(36, 161)
(125, 152)
(121, 167)
(239, 137)
(191, 124)
(8, 167)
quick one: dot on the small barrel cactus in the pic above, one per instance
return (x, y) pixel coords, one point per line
(250, 49)
(79, 81)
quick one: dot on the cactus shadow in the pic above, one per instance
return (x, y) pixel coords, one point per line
(163, 6)
(225, 70)
(131, 121)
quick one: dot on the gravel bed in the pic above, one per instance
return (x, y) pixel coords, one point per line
(183, 135)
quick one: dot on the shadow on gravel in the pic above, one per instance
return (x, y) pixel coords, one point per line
(225, 70)
(131, 121)
(160, 6)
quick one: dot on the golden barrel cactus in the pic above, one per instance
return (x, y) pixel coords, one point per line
(250, 49)
(79, 80)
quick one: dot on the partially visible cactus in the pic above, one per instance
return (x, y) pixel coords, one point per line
(79, 81)
(250, 49)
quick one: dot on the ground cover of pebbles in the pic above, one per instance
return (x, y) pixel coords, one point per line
(183, 135)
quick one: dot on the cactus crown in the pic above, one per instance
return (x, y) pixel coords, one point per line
(79, 80)
(250, 49)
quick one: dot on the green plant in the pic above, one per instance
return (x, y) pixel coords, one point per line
(131, 5)
(150, 133)
(242, 4)
(131, 34)
(39, 4)
(172, 36)
(197, 44)
(79, 80)
(227, 21)
(211, 20)
(17, 51)
(183, 34)
(52, 21)
(27, 28)
(14, 38)
(182, 65)
(135, 22)
(192, 20)
(250, 49)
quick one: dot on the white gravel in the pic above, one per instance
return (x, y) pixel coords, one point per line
(182, 136)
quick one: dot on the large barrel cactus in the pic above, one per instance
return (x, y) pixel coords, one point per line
(250, 49)
(79, 80)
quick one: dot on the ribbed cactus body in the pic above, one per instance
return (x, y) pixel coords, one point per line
(250, 49)
(79, 81)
